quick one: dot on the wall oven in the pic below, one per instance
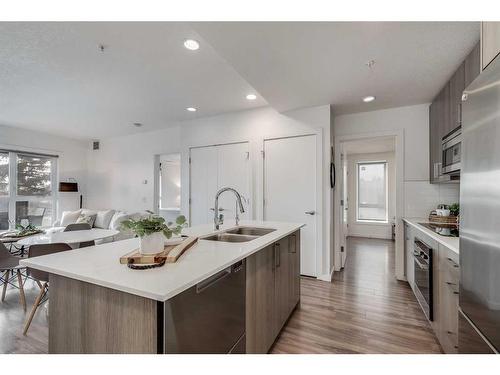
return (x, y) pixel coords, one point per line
(422, 263)
(451, 146)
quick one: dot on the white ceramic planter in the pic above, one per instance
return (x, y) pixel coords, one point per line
(152, 243)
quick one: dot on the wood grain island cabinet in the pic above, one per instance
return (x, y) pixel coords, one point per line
(261, 294)
(273, 291)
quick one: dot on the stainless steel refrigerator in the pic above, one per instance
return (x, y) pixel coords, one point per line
(479, 316)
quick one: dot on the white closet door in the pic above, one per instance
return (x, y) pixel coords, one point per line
(290, 190)
(234, 171)
(203, 184)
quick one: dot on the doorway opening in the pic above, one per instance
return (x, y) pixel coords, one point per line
(368, 200)
(168, 186)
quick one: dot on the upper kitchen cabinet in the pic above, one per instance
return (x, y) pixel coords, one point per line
(490, 42)
(472, 65)
(445, 112)
(457, 87)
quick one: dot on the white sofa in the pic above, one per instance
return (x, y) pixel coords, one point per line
(105, 219)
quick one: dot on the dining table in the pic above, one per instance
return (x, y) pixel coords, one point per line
(70, 238)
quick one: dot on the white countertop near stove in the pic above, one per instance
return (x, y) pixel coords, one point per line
(451, 243)
(100, 264)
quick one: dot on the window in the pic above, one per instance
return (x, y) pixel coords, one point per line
(30, 196)
(372, 191)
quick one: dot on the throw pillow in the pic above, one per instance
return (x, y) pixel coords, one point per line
(69, 217)
(117, 220)
(89, 219)
(103, 218)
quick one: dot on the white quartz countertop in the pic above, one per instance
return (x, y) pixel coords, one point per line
(100, 264)
(451, 243)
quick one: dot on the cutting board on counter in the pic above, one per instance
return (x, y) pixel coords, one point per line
(170, 254)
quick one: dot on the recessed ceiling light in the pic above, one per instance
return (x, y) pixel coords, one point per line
(191, 44)
(369, 98)
(137, 124)
(191, 109)
(251, 96)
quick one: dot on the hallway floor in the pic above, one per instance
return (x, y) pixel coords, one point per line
(364, 310)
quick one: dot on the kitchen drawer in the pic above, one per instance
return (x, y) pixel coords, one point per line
(448, 260)
(449, 323)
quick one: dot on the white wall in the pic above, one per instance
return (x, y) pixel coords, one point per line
(420, 197)
(72, 161)
(121, 172)
(366, 229)
(253, 126)
(117, 171)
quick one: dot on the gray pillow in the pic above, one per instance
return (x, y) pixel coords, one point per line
(89, 219)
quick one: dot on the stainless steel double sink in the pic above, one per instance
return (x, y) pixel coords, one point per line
(239, 234)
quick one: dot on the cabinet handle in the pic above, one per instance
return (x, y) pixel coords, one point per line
(294, 239)
(277, 252)
(452, 262)
(450, 283)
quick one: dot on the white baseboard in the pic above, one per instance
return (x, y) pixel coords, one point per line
(327, 277)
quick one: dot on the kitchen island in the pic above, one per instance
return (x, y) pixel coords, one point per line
(218, 297)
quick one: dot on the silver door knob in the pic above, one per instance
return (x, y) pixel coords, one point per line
(310, 212)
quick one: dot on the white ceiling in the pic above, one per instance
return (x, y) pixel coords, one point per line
(369, 145)
(305, 64)
(53, 78)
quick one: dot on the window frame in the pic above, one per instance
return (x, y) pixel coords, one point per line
(386, 188)
(13, 196)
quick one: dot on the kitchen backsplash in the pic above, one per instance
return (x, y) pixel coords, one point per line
(421, 197)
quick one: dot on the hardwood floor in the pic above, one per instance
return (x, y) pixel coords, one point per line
(364, 310)
(13, 317)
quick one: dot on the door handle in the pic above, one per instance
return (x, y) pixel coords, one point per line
(277, 255)
(310, 213)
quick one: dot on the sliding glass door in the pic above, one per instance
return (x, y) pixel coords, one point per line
(27, 189)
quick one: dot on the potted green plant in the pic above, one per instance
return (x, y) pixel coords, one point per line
(152, 231)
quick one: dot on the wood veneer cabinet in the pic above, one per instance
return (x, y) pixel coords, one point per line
(457, 87)
(448, 289)
(445, 287)
(472, 65)
(272, 291)
(445, 111)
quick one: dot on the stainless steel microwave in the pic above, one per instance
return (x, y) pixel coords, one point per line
(452, 145)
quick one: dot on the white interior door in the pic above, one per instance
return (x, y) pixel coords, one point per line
(234, 171)
(215, 167)
(290, 190)
(203, 184)
(344, 208)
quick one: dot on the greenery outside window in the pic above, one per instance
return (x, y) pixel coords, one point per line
(372, 192)
(31, 195)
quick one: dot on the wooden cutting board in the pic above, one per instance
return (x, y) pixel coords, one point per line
(170, 254)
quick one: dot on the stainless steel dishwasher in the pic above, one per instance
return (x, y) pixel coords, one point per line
(210, 316)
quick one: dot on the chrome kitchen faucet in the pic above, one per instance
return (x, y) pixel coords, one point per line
(219, 219)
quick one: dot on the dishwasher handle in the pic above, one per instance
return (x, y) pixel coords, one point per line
(212, 280)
